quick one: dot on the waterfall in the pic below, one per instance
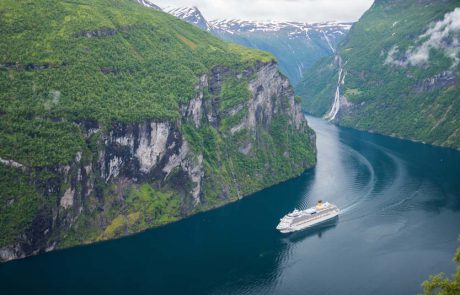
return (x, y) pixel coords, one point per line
(336, 106)
(328, 42)
(300, 67)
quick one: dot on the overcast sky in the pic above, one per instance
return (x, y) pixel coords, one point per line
(294, 10)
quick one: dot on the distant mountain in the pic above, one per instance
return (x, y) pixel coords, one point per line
(147, 3)
(397, 73)
(191, 15)
(296, 46)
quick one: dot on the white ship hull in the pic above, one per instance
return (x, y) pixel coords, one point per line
(308, 224)
(300, 220)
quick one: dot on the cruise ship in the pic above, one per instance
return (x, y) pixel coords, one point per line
(302, 219)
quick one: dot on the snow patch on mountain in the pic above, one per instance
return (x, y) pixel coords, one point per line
(149, 4)
(295, 29)
(236, 26)
(191, 15)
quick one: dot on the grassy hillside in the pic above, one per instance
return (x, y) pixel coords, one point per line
(107, 60)
(400, 79)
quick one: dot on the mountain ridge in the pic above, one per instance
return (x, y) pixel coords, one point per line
(149, 4)
(296, 45)
(191, 15)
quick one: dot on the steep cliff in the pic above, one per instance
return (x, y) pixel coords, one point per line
(115, 123)
(397, 73)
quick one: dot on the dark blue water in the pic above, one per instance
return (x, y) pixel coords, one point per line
(400, 222)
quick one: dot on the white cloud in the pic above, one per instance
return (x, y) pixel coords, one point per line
(292, 10)
(437, 37)
(391, 57)
(441, 35)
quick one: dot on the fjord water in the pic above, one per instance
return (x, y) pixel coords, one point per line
(400, 222)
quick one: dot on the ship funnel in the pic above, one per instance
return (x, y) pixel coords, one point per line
(319, 205)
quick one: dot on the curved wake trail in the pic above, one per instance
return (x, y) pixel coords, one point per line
(368, 188)
(348, 177)
(392, 189)
(353, 188)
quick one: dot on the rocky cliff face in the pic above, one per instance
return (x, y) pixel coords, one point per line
(133, 176)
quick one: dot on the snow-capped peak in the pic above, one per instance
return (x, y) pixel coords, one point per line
(189, 14)
(148, 3)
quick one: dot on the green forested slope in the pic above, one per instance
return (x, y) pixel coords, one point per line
(107, 60)
(401, 73)
(115, 118)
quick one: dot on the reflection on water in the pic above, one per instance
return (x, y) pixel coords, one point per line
(400, 206)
